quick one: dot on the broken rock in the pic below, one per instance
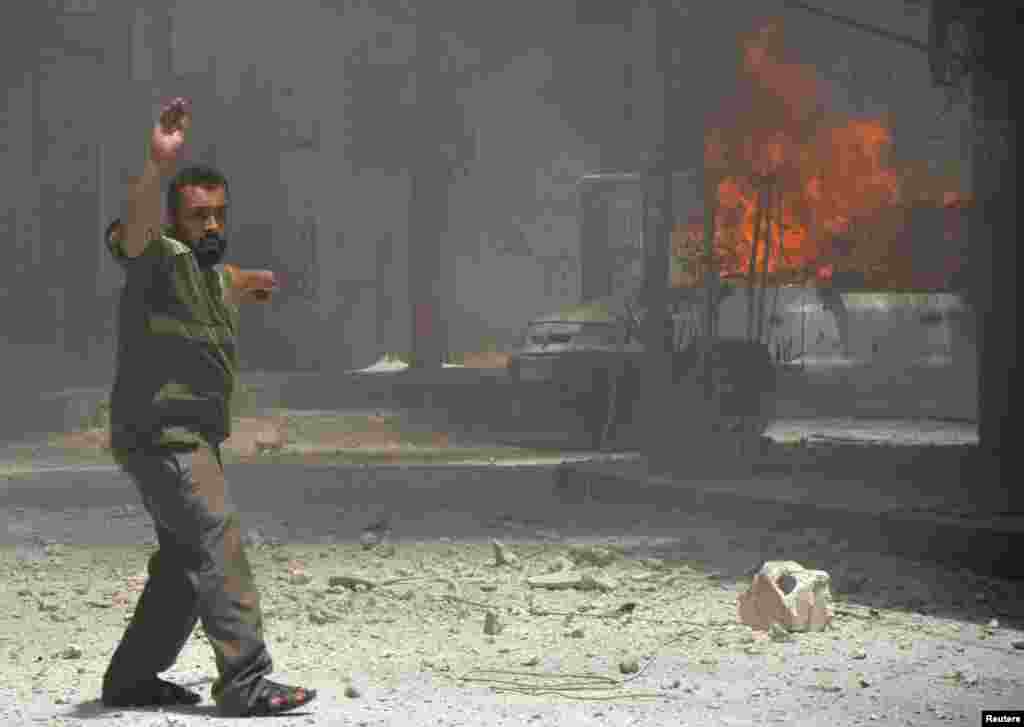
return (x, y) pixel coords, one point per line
(559, 564)
(503, 556)
(786, 593)
(492, 625)
(556, 581)
(592, 555)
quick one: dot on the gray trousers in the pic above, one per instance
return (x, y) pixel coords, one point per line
(199, 573)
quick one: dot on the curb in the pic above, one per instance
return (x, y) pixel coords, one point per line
(983, 544)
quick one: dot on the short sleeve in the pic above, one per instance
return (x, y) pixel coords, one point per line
(113, 242)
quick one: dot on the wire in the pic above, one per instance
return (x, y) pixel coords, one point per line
(875, 30)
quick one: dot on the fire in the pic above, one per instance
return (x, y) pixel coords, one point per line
(821, 186)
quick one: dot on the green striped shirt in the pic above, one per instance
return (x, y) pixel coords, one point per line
(177, 357)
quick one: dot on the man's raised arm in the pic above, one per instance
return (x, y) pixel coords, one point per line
(142, 213)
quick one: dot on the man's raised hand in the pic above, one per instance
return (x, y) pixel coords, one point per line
(169, 132)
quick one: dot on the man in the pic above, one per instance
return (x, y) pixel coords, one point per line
(170, 412)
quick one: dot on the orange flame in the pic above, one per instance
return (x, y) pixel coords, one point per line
(830, 176)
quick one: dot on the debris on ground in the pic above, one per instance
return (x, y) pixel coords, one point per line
(568, 621)
(503, 556)
(786, 593)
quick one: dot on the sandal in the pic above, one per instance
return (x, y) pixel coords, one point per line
(277, 698)
(151, 693)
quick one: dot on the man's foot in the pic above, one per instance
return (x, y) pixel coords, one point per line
(273, 698)
(151, 693)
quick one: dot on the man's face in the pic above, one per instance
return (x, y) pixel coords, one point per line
(202, 211)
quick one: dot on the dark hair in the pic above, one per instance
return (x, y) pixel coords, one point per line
(198, 175)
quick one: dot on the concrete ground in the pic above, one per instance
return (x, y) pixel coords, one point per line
(913, 642)
(921, 636)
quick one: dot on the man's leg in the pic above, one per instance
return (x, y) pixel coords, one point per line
(164, 618)
(187, 492)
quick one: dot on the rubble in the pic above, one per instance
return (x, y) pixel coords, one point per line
(321, 617)
(492, 625)
(563, 580)
(71, 651)
(254, 538)
(592, 555)
(597, 583)
(779, 634)
(631, 665)
(503, 556)
(556, 581)
(560, 564)
(370, 539)
(786, 593)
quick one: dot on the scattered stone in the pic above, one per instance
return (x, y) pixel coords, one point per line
(532, 661)
(577, 633)
(965, 677)
(1019, 645)
(556, 581)
(993, 624)
(350, 582)
(299, 578)
(592, 555)
(254, 538)
(560, 564)
(492, 626)
(321, 617)
(352, 692)
(30, 552)
(370, 539)
(859, 654)
(386, 550)
(503, 556)
(786, 593)
(779, 634)
(71, 651)
(597, 583)
(631, 665)
(488, 587)
(653, 563)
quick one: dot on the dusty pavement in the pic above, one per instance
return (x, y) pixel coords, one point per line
(397, 638)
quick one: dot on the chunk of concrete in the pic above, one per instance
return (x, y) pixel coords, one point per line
(556, 581)
(786, 593)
